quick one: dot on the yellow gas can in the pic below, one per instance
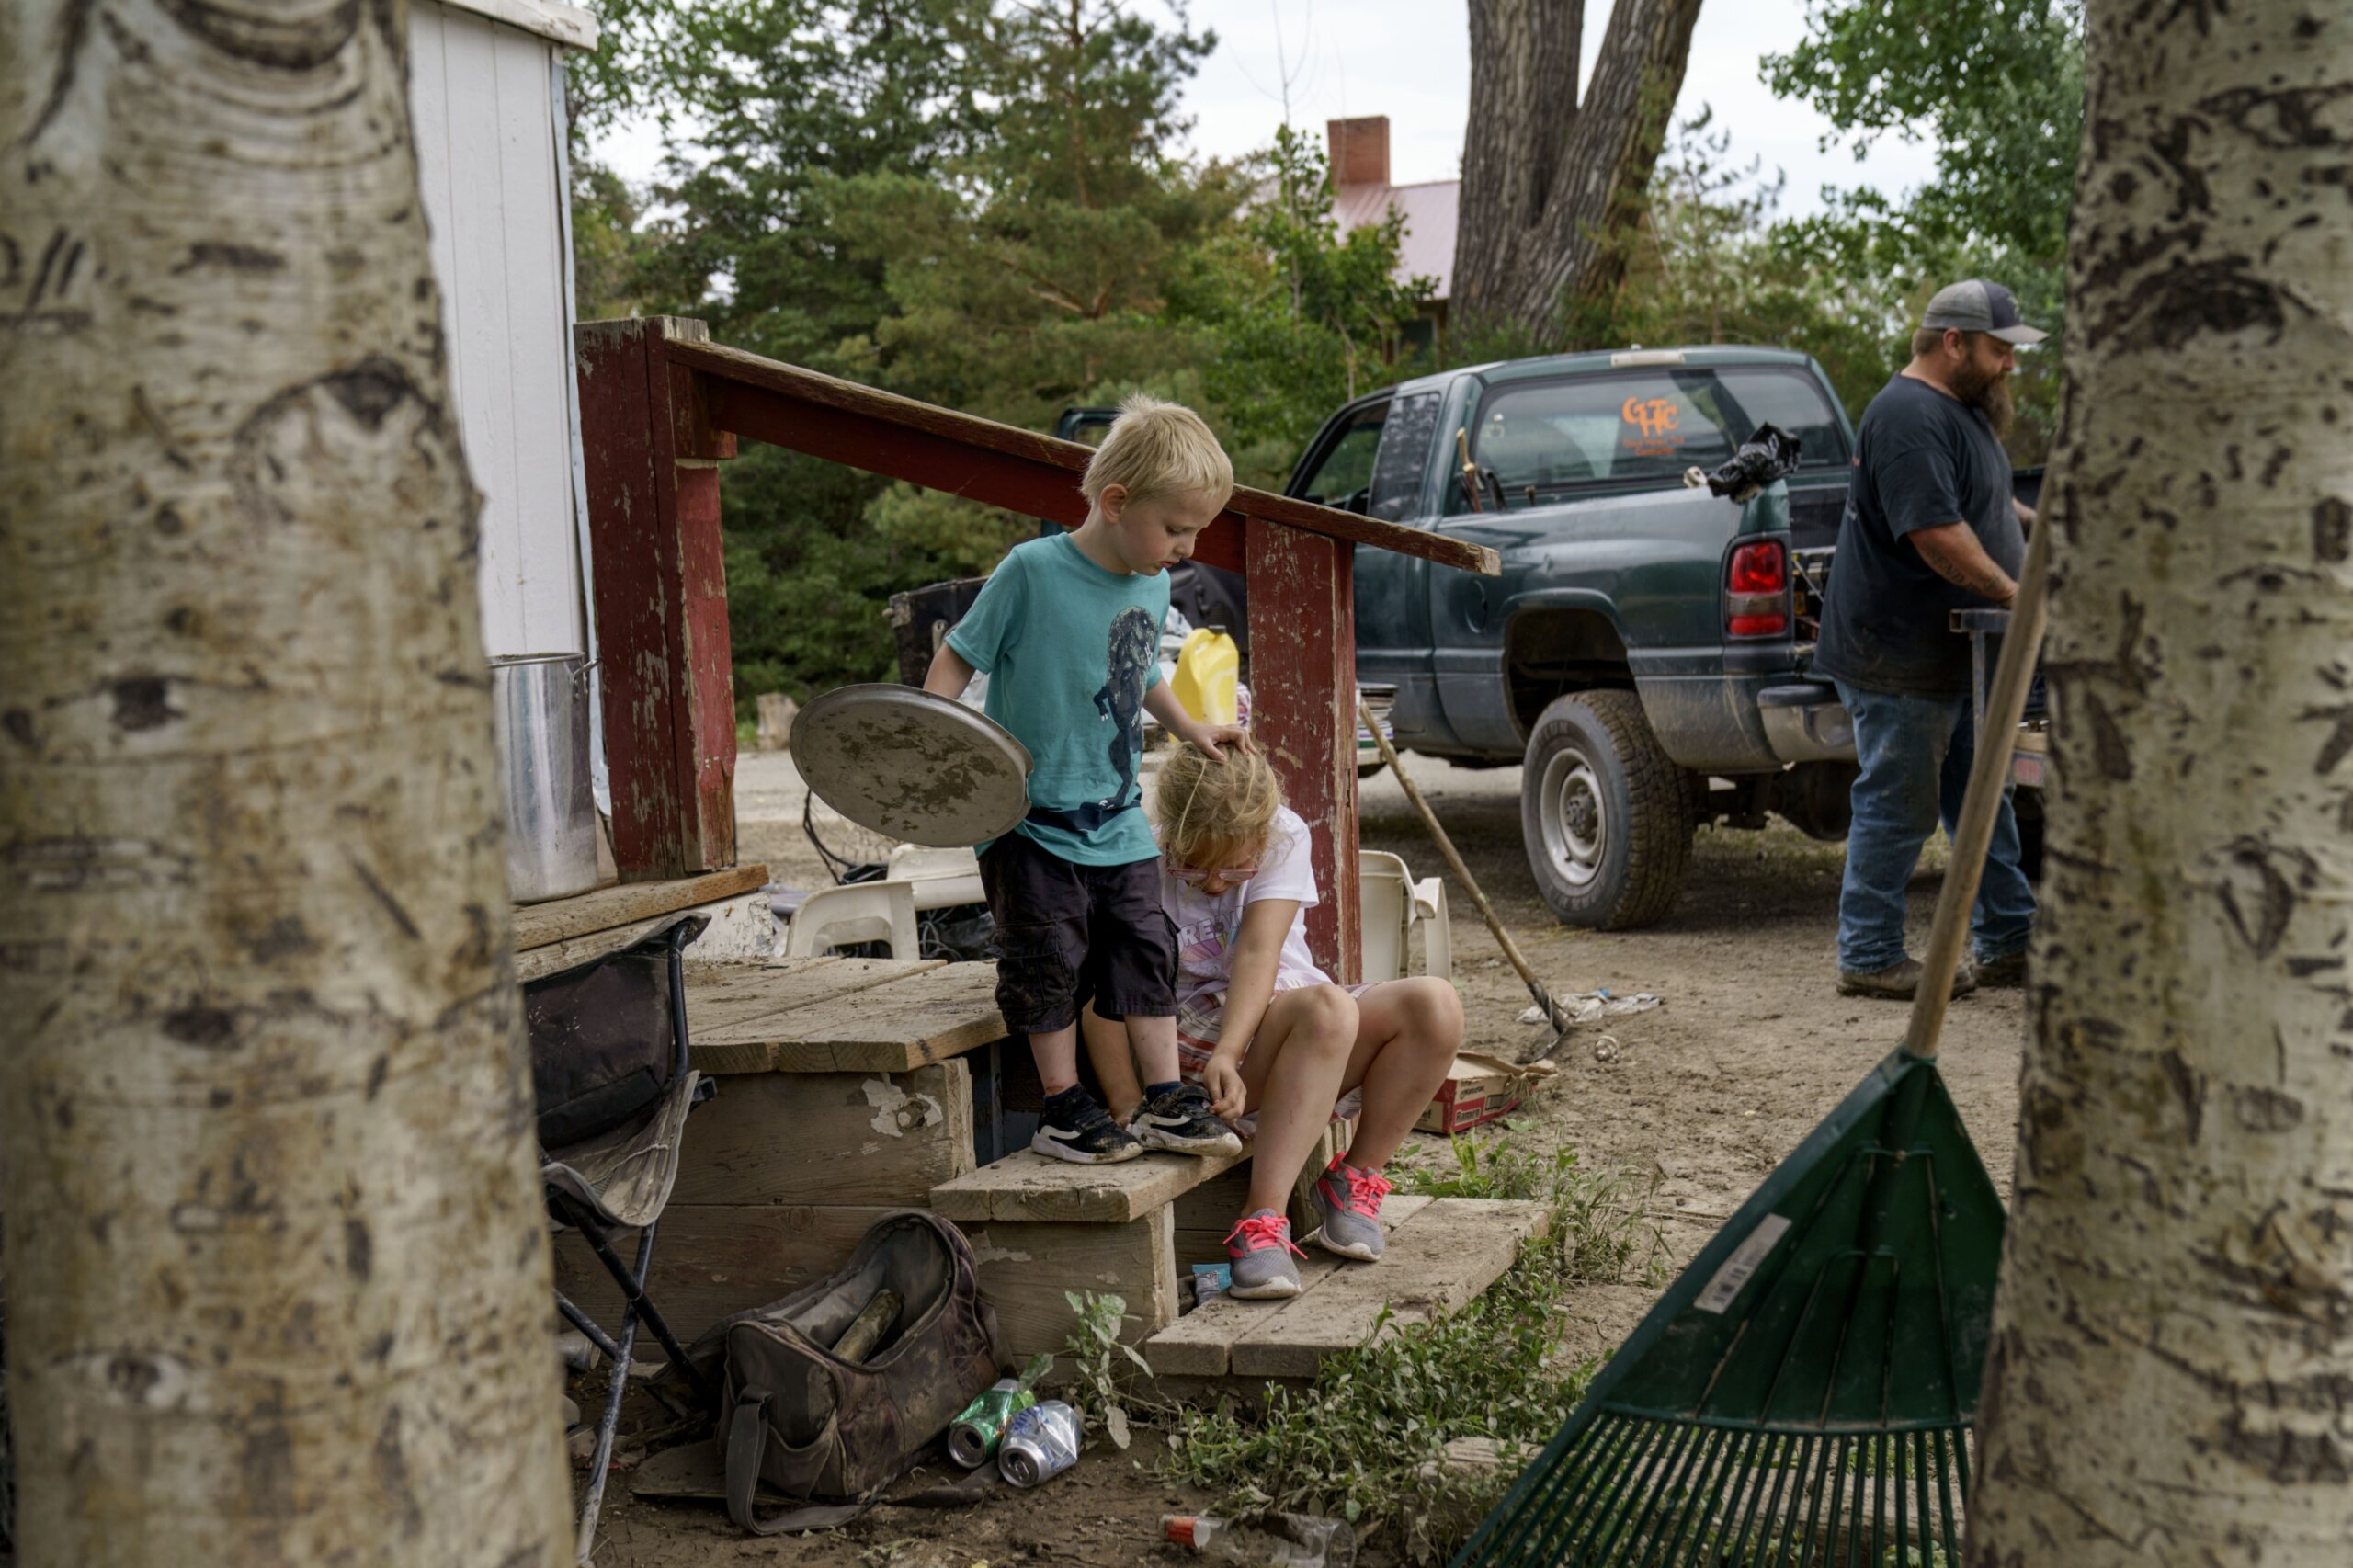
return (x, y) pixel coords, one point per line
(1208, 668)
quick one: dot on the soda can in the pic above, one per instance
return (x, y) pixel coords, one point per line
(1039, 1443)
(973, 1437)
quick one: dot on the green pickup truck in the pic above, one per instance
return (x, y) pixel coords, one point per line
(1643, 654)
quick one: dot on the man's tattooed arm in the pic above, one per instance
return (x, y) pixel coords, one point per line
(1954, 552)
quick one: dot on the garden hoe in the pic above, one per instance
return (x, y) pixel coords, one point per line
(1805, 1393)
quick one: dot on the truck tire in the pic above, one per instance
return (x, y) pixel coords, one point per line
(1605, 813)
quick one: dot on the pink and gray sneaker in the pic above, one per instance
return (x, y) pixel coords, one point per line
(1348, 1197)
(1261, 1249)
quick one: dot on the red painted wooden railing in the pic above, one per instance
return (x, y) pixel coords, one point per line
(661, 406)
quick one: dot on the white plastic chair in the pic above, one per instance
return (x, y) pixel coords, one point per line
(860, 912)
(941, 878)
(1392, 903)
(1384, 896)
(1437, 936)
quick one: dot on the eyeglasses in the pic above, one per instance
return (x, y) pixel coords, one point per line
(1192, 876)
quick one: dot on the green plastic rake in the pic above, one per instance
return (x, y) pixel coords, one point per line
(1804, 1395)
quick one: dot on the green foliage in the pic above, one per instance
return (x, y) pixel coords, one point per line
(1098, 1352)
(1365, 1441)
(1999, 85)
(978, 204)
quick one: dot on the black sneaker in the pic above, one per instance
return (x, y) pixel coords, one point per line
(1181, 1120)
(1082, 1132)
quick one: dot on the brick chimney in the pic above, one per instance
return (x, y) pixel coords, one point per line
(1360, 150)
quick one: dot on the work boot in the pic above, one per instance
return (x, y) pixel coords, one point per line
(1180, 1118)
(2005, 972)
(1073, 1127)
(1898, 981)
(1260, 1249)
(1349, 1199)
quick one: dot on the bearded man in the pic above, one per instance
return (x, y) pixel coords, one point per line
(1930, 527)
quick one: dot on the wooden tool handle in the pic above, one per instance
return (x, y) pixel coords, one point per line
(1461, 872)
(1988, 776)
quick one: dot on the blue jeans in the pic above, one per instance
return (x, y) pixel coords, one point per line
(1915, 754)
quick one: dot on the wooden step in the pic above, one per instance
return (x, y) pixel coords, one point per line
(1026, 1186)
(912, 1014)
(1441, 1254)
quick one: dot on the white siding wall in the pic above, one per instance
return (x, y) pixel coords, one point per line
(481, 96)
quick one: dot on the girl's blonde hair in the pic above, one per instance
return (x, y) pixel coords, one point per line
(1209, 809)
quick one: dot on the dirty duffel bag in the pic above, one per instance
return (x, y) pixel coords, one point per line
(821, 1429)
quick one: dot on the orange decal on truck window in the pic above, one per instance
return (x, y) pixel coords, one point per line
(1655, 415)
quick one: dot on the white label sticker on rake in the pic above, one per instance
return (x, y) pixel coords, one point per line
(1742, 1265)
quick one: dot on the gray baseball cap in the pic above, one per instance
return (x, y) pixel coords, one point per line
(1980, 306)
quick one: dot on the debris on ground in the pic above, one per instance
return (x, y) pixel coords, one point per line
(1583, 1007)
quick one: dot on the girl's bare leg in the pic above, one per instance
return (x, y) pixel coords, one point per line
(1293, 1075)
(1407, 1033)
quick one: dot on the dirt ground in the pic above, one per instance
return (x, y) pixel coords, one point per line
(1708, 1092)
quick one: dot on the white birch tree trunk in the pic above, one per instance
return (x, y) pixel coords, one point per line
(277, 1274)
(2172, 1376)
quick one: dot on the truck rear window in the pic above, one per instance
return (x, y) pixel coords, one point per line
(1547, 436)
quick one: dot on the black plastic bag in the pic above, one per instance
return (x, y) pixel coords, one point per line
(1765, 456)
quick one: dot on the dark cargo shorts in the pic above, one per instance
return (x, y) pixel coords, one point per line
(1068, 934)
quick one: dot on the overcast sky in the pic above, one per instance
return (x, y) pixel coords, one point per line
(1411, 61)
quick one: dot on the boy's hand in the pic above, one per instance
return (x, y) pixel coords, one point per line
(1222, 1080)
(1214, 738)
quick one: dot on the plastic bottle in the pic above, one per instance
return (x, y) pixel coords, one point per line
(1208, 668)
(1268, 1540)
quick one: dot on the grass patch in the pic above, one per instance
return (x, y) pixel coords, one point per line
(1363, 1442)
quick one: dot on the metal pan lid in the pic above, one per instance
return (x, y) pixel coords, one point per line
(923, 769)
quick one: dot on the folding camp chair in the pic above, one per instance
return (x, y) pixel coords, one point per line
(608, 1065)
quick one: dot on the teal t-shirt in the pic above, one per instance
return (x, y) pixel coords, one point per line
(1070, 649)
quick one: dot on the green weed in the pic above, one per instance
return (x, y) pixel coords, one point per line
(1602, 1233)
(1098, 1351)
(1365, 1442)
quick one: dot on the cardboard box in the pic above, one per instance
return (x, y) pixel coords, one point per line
(1478, 1089)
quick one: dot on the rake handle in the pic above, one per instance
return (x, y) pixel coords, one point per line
(1462, 872)
(1988, 778)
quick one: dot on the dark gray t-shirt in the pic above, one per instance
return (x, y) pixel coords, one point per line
(1922, 460)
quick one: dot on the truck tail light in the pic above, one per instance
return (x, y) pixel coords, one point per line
(1756, 590)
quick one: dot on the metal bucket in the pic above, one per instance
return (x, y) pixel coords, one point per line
(540, 703)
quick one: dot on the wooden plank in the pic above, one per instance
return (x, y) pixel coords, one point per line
(1026, 1186)
(887, 1028)
(1437, 1260)
(829, 1138)
(1302, 707)
(556, 956)
(1025, 1269)
(1200, 1344)
(722, 996)
(1018, 470)
(602, 909)
(710, 1260)
(661, 601)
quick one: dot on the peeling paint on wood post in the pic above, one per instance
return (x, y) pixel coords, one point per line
(1303, 706)
(661, 598)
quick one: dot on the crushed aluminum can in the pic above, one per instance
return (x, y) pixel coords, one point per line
(1039, 1443)
(974, 1435)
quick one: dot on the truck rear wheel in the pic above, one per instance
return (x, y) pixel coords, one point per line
(1604, 813)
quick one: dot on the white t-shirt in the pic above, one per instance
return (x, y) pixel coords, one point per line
(1207, 927)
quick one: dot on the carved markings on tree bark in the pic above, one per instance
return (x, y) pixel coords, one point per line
(2174, 1341)
(277, 1267)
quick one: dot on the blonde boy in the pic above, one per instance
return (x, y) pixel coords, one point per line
(1068, 630)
